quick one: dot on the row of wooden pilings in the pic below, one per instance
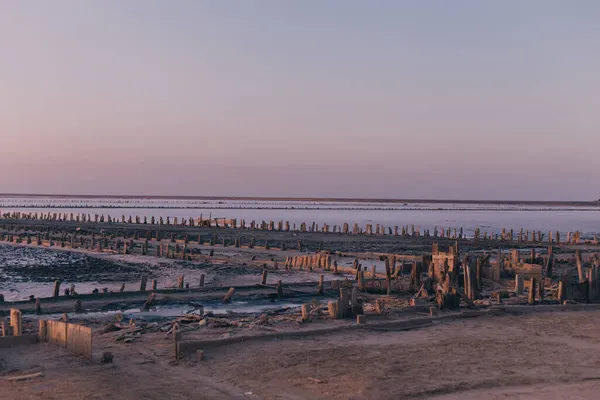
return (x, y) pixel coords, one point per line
(523, 236)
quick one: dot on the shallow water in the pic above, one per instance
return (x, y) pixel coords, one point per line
(178, 310)
(488, 217)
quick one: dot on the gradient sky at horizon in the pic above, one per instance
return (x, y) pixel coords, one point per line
(346, 98)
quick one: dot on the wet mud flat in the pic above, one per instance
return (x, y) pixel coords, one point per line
(31, 271)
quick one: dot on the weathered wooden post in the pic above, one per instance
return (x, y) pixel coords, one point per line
(320, 288)
(549, 263)
(355, 306)
(229, 295)
(531, 299)
(361, 280)
(344, 303)
(579, 266)
(305, 313)
(16, 322)
(519, 283)
(143, 283)
(264, 277)
(332, 308)
(561, 295)
(56, 291)
(498, 266)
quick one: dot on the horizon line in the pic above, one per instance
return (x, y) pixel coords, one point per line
(304, 199)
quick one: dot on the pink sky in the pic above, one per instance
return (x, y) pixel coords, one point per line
(495, 101)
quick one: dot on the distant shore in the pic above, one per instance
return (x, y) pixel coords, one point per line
(595, 203)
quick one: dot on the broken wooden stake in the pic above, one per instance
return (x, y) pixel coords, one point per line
(229, 295)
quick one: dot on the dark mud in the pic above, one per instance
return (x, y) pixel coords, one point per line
(27, 264)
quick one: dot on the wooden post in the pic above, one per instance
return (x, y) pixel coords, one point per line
(6, 328)
(229, 295)
(305, 313)
(320, 287)
(468, 281)
(149, 302)
(579, 266)
(354, 304)
(344, 302)
(361, 280)
(332, 309)
(531, 299)
(202, 280)
(498, 266)
(180, 282)
(16, 322)
(379, 307)
(56, 291)
(264, 277)
(519, 284)
(154, 284)
(561, 291)
(549, 263)
(143, 283)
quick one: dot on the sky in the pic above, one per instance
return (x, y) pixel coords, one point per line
(313, 98)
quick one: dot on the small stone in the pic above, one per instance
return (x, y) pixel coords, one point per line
(199, 355)
(107, 358)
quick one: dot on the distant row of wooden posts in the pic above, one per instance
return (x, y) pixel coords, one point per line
(521, 236)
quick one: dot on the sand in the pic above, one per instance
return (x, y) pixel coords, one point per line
(534, 356)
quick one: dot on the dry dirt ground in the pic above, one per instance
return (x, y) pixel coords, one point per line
(535, 356)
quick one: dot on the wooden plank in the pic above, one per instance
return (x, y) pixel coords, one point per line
(79, 340)
(56, 332)
(466, 299)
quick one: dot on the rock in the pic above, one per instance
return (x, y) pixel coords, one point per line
(107, 358)
(199, 355)
(203, 322)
